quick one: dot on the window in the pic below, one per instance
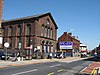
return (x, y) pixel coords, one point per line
(19, 30)
(47, 22)
(18, 41)
(3, 32)
(42, 31)
(48, 33)
(45, 33)
(28, 41)
(10, 42)
(28, 29)
(51, 33)
(10, 31)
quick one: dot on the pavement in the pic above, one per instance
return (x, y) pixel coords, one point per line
(87, 70)
(92, 68)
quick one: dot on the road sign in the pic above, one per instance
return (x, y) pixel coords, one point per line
(6, 44)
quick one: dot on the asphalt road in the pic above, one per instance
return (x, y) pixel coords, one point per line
(51, 68)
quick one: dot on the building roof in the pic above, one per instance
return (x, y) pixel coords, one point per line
(33, 16)
(65, 34)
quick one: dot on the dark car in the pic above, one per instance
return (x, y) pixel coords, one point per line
(59, 55)
(2, 55)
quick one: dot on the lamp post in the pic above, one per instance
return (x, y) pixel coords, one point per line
(6, 45)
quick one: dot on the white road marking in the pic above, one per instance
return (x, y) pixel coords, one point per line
(83, 69)
(55, 65)
(25, 72)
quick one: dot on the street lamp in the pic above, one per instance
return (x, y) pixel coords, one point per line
(6, 45)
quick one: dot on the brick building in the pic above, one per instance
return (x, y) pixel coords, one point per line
(68, 38)
(1, 7)
(83, 49)
(30, 34)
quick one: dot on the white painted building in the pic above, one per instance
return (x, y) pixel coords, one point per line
(83, 49)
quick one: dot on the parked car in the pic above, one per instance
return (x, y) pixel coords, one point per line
(59, 55)
(2, 55)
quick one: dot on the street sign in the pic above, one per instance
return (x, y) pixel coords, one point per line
(66, 45)
(6, 44)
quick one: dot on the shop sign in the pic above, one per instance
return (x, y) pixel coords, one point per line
(66, 45)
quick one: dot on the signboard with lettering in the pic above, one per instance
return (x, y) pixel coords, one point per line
(66, 45)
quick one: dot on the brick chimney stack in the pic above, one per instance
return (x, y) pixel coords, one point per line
(70, 34)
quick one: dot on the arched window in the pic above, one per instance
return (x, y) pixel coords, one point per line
(18, 42)
(28, 29)
(19, 30)
(51, 33)
(10, 42)
(28, 42)
(45, 33)
(47, 22)
(48, 32)
(42, 30)
(10, 31)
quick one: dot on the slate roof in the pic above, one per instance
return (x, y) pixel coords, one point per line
(29, 17)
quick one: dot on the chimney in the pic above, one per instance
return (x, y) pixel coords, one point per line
(70, 34)
(73, 36)
(65, 32)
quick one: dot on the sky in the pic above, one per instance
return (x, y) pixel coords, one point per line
(81, 17)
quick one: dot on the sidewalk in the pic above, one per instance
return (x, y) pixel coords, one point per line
(91, 68)
(4, 64)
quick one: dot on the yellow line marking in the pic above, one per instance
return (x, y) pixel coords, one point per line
(60, 70)
(51, 73)
(94, 71)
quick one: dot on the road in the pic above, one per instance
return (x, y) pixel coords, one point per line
(50, 68)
